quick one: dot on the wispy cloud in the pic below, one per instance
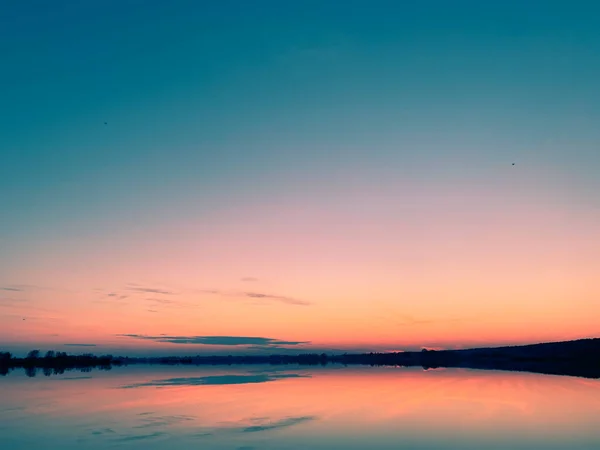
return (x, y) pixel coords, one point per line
(33, 287)
(10, 301)
(214, 380)
(136, 295)
(162, 301)
(249, 279)
(166, 297)
(151, 290)
(156, 303)
(216, 340)
(279, 298)
(257, 296)
(79, 345)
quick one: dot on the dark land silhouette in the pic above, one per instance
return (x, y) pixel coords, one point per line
(576, 358)
(54, 363)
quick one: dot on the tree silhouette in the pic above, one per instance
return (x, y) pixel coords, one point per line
(33, 354)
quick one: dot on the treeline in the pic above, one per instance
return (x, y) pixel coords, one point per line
(576, 358)
(54, 363)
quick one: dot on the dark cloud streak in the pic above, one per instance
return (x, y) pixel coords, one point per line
(217, 340)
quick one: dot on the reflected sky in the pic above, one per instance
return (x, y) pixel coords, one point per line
(297, 408)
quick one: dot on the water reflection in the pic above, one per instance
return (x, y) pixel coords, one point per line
(217, 380)
(299, 408)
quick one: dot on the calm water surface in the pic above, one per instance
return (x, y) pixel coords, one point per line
(253, 408)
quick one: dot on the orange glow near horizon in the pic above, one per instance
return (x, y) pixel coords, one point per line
(466, 268)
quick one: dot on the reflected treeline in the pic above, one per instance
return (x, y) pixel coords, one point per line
(575, 358)
(55, 363)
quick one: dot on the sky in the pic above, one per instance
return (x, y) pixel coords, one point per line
(266, 176)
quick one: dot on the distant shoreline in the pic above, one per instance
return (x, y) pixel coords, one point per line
(575, 358)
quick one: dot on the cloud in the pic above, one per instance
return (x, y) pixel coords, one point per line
(257, 295)
(151, 290)
(7, 301)
(249, 279)
(163, 301)
(216, 380)
(79, 345)
(217, 340)
(156, 303)
(279, 298)
(13, 289)
(152, 310)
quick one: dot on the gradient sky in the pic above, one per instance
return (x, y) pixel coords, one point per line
(254, 176)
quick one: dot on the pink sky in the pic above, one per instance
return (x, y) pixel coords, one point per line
(391, 267)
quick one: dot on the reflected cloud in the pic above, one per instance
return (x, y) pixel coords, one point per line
(140, 437)
(283, 423)
(162, 421)
(103, 431)
(387, 407)
(216, 380)
(256, 425)
(72, 378)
